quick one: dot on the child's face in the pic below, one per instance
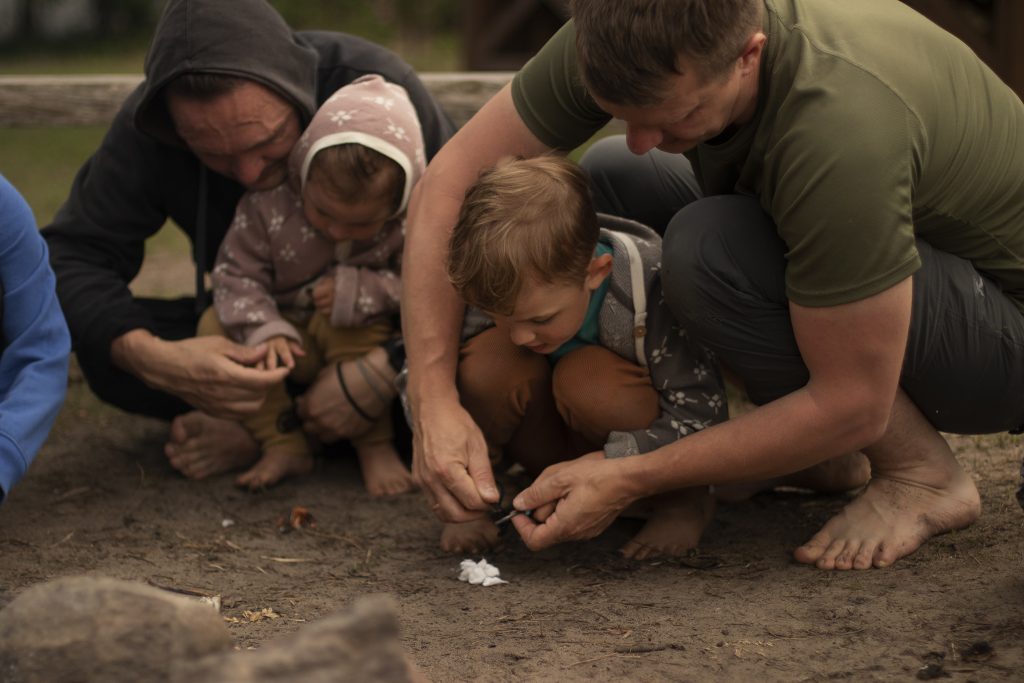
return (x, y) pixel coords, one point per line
(340, 221)
(547, 315)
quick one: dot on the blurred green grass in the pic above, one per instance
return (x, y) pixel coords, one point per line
(42, 162)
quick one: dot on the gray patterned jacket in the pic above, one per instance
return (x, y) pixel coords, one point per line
(635, 323)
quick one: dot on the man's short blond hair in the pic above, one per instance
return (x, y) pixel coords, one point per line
(523, 218)
(627, 48)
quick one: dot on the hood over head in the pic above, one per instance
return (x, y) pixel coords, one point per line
(241, 38)
(371, 112)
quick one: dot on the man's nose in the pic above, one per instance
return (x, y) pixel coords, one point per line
(642, 139)
(248, 169)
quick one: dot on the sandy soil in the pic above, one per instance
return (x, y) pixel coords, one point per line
(101, 499)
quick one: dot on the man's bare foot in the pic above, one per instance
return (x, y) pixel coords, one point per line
(384, 473)
(200, 446)
(470, 538)
(917, 490)
(275, 465)
(836, 475)
(674, 527)
(890, 520)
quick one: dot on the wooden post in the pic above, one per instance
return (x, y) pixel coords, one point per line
(45, 101)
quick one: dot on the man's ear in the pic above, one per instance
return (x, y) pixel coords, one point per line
(750, 57)
(600, 267)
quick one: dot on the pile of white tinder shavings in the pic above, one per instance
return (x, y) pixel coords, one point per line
(480, 573)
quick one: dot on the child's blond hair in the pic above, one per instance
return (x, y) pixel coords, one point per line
(523, 218)
(354, 172)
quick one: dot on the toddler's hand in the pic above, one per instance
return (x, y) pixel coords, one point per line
(323, 295)
(281, 351)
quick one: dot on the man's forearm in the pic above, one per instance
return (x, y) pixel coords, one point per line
(431, 318)
(779, 438)
(135, 352)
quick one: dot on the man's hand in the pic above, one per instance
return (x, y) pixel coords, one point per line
(281, 352)
(571, 501)
(214, 374)
(323, 295)
(451, 464)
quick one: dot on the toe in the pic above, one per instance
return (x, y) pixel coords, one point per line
(865, 556)
(828, 558)
(630, 550)
(814, 549)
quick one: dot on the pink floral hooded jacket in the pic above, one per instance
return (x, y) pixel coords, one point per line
(271, 257)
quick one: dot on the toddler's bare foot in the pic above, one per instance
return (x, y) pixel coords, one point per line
(275, 465)
(470, 538)
(836, 475)
(674, 527)
(200, 445)
(384, 473)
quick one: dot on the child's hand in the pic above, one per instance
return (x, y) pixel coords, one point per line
(323, 295)
(281, 351)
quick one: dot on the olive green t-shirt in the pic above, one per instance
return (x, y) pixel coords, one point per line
(873, 126)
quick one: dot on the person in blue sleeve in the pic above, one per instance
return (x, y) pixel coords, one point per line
(34, 345)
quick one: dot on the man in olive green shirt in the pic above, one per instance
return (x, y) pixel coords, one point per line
(852, 248)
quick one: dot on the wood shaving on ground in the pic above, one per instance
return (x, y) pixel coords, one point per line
(299, 518)
(260, 615)
(480, 573)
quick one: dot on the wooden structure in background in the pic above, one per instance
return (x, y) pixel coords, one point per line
(994, 29)
(503, 34)
(93, 100)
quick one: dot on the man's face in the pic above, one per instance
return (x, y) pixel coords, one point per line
(245, 135)
(692, 111)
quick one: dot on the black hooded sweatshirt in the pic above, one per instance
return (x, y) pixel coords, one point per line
(144, 174)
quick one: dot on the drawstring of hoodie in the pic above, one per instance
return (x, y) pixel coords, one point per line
(199, 244)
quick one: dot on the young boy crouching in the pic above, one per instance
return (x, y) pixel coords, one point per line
(584, 355)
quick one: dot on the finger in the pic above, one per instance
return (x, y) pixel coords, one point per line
(482, 474)
(542, 492)
(537, 536)
(449, 509)
(462, 486)
(271, 359)
(244, 355)
(543, 512)
(297, 349)
(249, 379)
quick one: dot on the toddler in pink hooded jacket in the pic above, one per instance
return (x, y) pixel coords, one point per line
(311, 268)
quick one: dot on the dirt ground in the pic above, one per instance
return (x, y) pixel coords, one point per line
(102, 500)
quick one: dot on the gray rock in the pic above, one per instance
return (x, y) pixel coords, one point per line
(358, 645)
(99, 629)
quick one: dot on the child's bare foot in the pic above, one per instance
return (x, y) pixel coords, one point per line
(275, 465)
(200, 445)
(470, 538)
(674, 527)
(384, 473)
(836, 475)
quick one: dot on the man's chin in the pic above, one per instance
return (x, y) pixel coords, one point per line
(678, 146)
(267, 182)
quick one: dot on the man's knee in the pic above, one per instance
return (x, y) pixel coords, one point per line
(718, 251)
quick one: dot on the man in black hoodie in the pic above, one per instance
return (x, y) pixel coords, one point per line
(228, 89)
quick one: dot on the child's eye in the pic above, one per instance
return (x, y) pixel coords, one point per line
(542, 321)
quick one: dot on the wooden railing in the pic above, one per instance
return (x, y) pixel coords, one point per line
(42, 101)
